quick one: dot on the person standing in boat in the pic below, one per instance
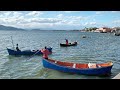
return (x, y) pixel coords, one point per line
(45, 52)
(17, 48)
(66, 41)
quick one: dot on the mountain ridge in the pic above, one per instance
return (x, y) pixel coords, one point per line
(3, 27)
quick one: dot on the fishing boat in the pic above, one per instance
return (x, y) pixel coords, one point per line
(26, 52)
(70, 44)
(79, 68)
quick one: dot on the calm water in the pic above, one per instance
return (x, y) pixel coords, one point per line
(96, 47)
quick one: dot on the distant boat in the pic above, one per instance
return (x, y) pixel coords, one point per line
(26, 52)
(70, 44)
(78, 68)
(117, 34)
(83, 36)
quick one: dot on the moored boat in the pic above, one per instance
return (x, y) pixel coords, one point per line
(26, 52)
(79, 68)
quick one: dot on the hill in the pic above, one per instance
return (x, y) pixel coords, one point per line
(2, 27)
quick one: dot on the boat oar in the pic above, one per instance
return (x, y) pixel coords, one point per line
(12, 42)
(33, 55)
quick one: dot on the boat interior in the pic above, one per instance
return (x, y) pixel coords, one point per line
(80, 65)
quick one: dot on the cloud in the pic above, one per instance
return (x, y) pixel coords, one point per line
(46, 20)
(92, 23)
(5, 13)
(33, 19)
(9, 14)
(71, 11)
(76, 18)
(34, 13)
(36, 25)
(17, 14)
(100, 12)
(89, 23)
(36, 19)
(115, 11)
(116, 21)
(60, 16)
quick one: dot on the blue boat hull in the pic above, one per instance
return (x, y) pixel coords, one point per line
(87, 71)
(26, 52)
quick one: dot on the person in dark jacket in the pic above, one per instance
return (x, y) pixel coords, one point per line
(17, 48)
(66, 41)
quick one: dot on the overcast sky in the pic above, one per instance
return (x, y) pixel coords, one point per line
(60, 19)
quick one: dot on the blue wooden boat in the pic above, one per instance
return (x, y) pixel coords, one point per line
(70, 44)
(78, 68)
(26, 52)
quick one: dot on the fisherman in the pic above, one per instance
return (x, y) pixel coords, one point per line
(45, 52)
(17, 48)
(66, 41)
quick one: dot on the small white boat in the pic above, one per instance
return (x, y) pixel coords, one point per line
(117, 34)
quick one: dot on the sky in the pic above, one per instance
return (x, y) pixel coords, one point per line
(60, 20)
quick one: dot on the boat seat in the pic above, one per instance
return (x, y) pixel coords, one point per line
(92, 65)
(74, 65)
(55, 61)
(98, 66)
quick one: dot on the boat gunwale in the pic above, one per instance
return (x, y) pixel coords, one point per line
(78, 68)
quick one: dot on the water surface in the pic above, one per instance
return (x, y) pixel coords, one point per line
(96, 47)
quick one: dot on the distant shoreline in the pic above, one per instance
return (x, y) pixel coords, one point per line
(39, 30)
